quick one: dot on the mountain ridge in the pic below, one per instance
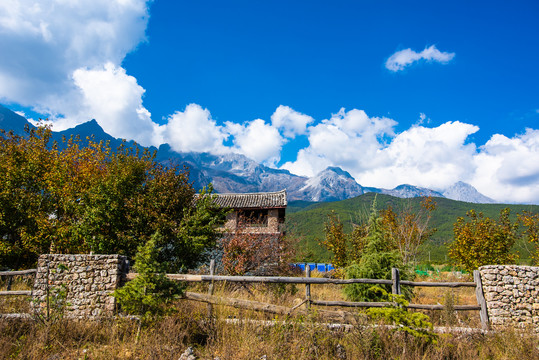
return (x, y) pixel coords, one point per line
(237, 173)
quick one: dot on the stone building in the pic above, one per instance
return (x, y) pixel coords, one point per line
(260, 213)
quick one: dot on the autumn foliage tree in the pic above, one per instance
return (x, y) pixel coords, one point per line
(408, 230)
(92, 198)
(480, 240)
(402, 230)
(255, 253)
(530, 222)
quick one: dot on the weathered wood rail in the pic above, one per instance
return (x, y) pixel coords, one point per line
(10, 275)
(395, 282)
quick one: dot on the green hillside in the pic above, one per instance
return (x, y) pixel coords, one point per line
(305, 221)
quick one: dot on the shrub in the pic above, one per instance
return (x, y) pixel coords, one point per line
(376, 262)
(151, 292)
(483, 241)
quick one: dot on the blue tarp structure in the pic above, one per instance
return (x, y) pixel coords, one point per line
(320, 267)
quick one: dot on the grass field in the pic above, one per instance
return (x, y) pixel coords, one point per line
(233, 336)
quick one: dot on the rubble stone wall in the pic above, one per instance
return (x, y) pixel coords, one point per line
(512, 294)
(78, 286)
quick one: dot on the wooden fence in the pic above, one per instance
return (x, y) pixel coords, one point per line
(307, 280)
(10, 275)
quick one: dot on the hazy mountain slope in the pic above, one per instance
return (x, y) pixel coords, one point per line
(462, 191)
(406, 191)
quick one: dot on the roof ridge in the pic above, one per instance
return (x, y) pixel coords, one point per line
(275, 199)
(254, 193)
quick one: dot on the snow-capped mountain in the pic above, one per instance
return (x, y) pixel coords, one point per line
(410, 191)
(237, 173)
(462, 191)
(330, 185)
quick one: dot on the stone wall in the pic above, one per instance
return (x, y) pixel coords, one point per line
(512, 294)
(78, 286)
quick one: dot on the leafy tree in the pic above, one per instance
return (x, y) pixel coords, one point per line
(246, 252)
(378, 258)
(531, 223)
(408, 229)
(24, 165)
(404, 231)
(151, 292)
(415, 324)
(337, 241)
(483, 241)
(90, 198)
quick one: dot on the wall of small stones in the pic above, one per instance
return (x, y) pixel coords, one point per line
(512, 294)
(78, 286)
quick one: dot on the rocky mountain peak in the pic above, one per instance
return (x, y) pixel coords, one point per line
(462, 191)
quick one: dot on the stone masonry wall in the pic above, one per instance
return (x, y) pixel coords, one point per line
(79, 286)
(512, 294)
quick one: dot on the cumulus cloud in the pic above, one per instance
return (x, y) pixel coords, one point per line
(429, 157)
(403, 58)
(257, 140)
(194, 130)
(507, 169)
(348, 139)
(291, 122)
(54, 46)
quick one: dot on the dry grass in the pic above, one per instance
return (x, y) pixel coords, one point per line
(16, 304)
(288, 338)
(297, 338)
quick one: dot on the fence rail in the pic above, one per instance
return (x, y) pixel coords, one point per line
(395, 282)
(19, 272)
(10, 275)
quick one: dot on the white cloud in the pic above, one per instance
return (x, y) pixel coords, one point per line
(115, 99)
(403, 58)
(348, 139)
(429, 157)
(291, 122)
(257, 140)
(52, 44)
(507, 169)
(194, 130)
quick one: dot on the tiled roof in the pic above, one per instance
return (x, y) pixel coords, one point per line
(252, 200)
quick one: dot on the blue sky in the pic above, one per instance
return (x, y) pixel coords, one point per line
(420, 92)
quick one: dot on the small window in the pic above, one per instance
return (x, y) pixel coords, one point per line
(258, 217)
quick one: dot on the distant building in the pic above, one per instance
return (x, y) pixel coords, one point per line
(260, 213)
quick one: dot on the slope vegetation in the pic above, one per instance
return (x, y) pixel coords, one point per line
(305, 221)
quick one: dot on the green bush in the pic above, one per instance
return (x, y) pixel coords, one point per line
(376, 262)
(151, 292)
(413, 323)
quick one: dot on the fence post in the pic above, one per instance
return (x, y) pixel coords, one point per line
(9, 280)
(210, 288)
(308, 288)
(395, 277)
(483, 314)
(47, 289)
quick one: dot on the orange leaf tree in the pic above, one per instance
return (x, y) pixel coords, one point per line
(531, 223)
(403, 230)
(480, 240)
(90, 198)
(245, 251)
